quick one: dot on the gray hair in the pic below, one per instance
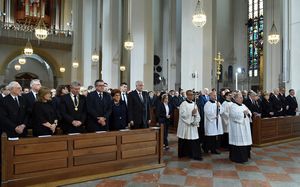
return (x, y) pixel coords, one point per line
(34, 81)
(237, 94)
(75, 84)
(12, 85)
(138, 82)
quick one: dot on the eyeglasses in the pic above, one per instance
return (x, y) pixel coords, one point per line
(98, 85)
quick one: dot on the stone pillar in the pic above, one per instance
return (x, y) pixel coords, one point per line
(272, 53)
(191, 48)
(294, 38)
(142, 53)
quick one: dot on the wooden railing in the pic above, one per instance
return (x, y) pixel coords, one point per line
(36, 160)
(268, 131)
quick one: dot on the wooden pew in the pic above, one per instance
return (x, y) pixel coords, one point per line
(269, 131)
(35, 160)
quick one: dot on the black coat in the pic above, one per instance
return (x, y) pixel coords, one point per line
(253, 107)
(292, 104)
(162, 113)
(98, 108)
(42, 113)
(118, 118)
(69, 114)
(30, 100)
(266, 108)
(12, 115)
(277, 105)
(138, 111)
(56, 106)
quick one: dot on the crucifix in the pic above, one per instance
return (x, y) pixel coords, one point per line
(218, 61)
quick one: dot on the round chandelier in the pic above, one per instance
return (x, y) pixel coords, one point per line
(199, 17)
(273, 37)
(122, 68)
(41, 30)
(62, 69)
(28, 49)
(128, 44)
(18, 67)
(95, 56)
(22, 60)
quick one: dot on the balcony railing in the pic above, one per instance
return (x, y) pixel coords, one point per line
(22, 31)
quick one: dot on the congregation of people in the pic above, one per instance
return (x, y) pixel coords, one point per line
(207, 120)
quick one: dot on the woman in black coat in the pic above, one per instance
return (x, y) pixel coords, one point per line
(118, 118)
(163, 112)
(266, 106)
(44, 114)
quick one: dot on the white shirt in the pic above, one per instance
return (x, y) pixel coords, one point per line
(167, 108)
(210, 119)
(124, 97)
(188, 124)
(225, 115)
(239, 131)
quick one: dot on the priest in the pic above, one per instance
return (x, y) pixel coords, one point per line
(187, 131)
(225, 119)
(212, 124)
(239, 131)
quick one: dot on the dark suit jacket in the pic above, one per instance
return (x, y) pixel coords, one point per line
(30, 100)
(69, 114)
(277, 105)
(293, 105)
(138, 111)
(253, 107)
(161, 113)
(266, 108)
(98, 108)
(118, 118)
(11, 115)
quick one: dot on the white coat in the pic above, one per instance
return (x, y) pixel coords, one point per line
(210, 119)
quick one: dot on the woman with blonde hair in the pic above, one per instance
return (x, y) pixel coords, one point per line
(44, 115)
(266, 106)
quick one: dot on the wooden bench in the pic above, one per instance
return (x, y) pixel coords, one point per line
(36, 160)
(269, 131)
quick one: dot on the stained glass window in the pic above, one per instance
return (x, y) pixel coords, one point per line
(255, 35)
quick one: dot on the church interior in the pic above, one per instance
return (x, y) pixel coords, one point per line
(171, 46)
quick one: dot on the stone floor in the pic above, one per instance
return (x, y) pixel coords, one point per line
(277, 166)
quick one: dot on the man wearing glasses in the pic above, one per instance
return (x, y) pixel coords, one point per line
(98, 108)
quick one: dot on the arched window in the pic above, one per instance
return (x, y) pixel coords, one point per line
(255, 35)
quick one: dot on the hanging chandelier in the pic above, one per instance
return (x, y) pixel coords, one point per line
(28, 49)
(128, 44)
(273, 37)
(18, 67)
(199, 17)
(75, 64)
(95, 56)
(22, 60)
(62, 69)
(41, 31)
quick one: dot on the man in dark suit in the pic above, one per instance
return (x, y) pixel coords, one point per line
(3, 91)
(291, 103)
(139, 107)
(99, 108)
(73, 110)
(13, 114)
(253, 104)
(124, 95)
(31, 97)
(277, 103)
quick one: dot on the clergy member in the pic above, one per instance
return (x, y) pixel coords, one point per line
(187, 132)
(239, 131)
(225, 118)
(212, 124)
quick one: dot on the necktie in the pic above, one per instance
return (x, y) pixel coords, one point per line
(124, 98)
(75, 100)
(101, 96)
(141, 97)
(17, 101)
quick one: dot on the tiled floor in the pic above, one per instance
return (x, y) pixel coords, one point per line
(277, 166)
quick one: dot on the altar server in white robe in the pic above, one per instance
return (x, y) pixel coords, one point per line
(225, 119)
(212, 124)
(239, 131)
(187, 131)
